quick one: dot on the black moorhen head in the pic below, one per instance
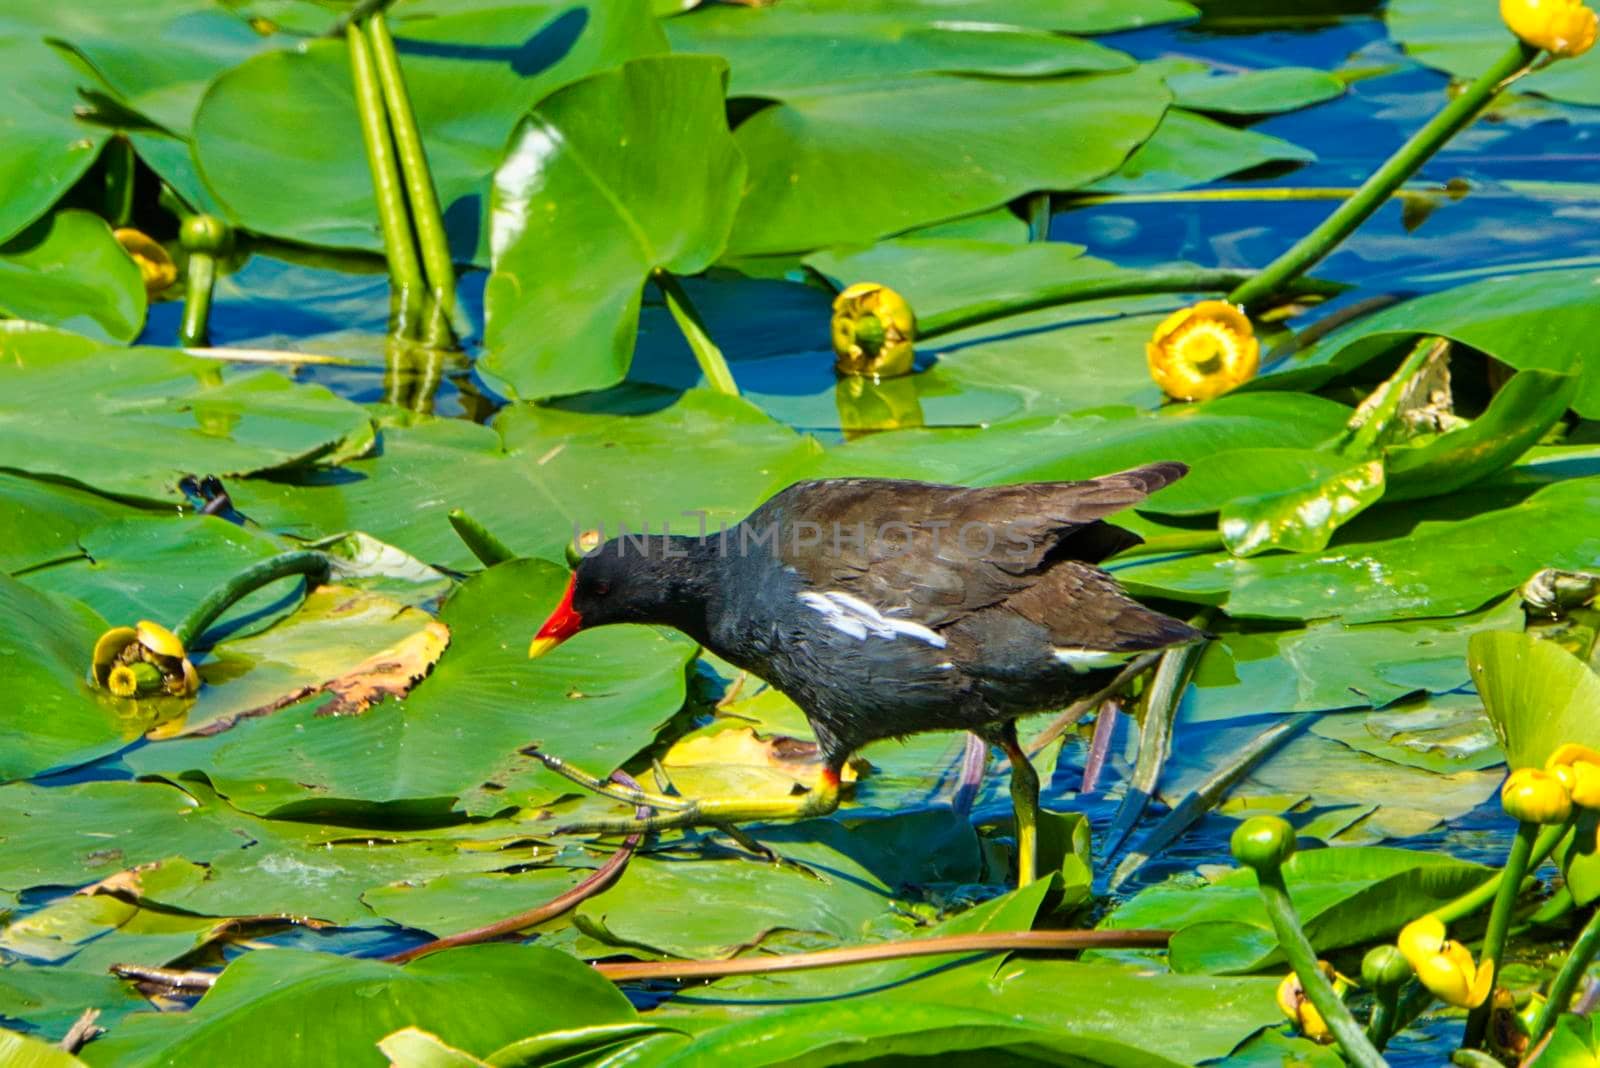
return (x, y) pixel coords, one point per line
(885, 607)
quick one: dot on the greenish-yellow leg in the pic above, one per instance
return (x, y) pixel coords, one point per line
(695, 812)
(1024, 802)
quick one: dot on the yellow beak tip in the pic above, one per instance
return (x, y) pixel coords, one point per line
(540, 646)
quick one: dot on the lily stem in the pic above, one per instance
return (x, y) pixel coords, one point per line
(1567, 979)
(1303, 959)
(1123, 284)
(712, 363)
(1382, 1024)
(1494, 938)
(394, 222)
(424, 200)
(1376, 190)
(313, 565)
(200, 280)
(1549, 837)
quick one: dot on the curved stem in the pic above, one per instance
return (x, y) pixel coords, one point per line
(1121, 284)
(1376, 190)
(306, 562)
(1549, 837)
(1303, 959)
(600, 879)
(489, 549)
(1382, 1024)
(424, 200)
(1572, 971)
(712, 363)
(1494, 938)
(987, 942)
(199, 282)
(405, 272)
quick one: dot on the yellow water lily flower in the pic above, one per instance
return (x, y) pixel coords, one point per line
(143, 661)
(1298, 1008)
(1578, 768)
(1204, 351)
(155, 266)
(1564, 28)
(1534, 796)
(873, 330)
(1446, 968)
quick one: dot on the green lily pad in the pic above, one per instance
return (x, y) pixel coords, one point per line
(597, 174)
(470, 75)
(41, 522)
(1345, 897)
(1189, 149)
(316, 1008)
(49, 1000)
(1254, 92)
(1080, 16)
(48, 148)
(1537, 695)
(158, 416)
(53, 719)
(71, 835)
(596, 701)
(1440, 569)
(67, 270)
(939, 147)
(24, 1051)
(1444, 734)
(159, 567)
(789, 47)
(459, 901)
(1302, 519)
(549, 473)
(1547, 320)
(1241, 474)
(1466, 41)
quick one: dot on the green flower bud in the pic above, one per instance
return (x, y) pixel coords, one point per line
(1384, 967)
(206, 234)
(1263, 842)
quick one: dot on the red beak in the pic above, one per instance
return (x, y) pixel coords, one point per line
(562, 624)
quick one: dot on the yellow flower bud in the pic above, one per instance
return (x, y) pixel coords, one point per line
(873, 330)
(1298, 1008)
(143, 661)
(1578, 768)
(155, 266)
(1203, 352)
(1446, 968)
(1534, 796)
(1564, 28)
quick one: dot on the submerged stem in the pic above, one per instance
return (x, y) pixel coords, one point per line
(712, 363)
(405, 271)
(1376, 190)
(420, 193)
(306, 562)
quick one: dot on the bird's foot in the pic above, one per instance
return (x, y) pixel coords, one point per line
(693, 812)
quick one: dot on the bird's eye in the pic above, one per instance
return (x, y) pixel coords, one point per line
(602, 588)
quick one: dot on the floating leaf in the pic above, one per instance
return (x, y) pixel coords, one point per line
(794, 46)
(1189, 149)
(48, 147)
(68, 271)
(1303, 519)
(316, 1008)
(938, 147)
(1254, 92)
(595, 193)
(41, 522)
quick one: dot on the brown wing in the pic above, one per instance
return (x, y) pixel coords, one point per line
(1082, 607)
(934, 553)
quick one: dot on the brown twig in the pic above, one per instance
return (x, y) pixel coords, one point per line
(176, 978)
(598, 881)
(81, 1031)
(987, 942)
(1078, 709)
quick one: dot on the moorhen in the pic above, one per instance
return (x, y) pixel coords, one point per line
(882, 608)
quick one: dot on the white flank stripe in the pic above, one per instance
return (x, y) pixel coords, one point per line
(1090, 659)
(855, 617)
